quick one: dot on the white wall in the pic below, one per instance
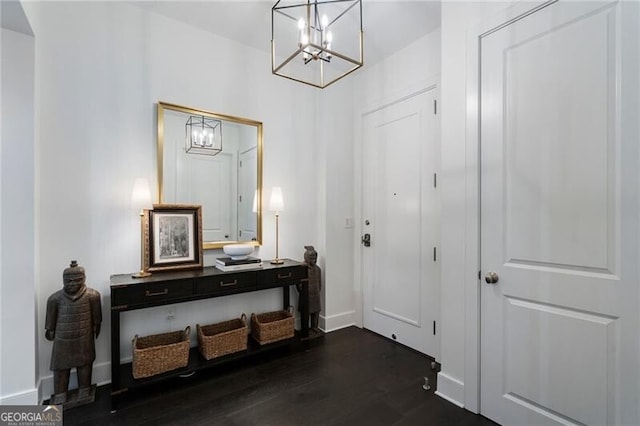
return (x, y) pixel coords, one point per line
(335, 201)
(100, 68)
(457, 381)
(410, 69)
(17, 251)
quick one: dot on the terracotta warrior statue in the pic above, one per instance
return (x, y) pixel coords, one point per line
(73, 319)
(315, 285)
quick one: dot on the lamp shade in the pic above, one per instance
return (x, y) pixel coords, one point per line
(276, 203)
(141, 194)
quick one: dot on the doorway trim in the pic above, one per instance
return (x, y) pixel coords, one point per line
(472, 281)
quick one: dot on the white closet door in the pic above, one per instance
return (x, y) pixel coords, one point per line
(559, 217)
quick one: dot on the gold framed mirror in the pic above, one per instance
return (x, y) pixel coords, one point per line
(214, 160)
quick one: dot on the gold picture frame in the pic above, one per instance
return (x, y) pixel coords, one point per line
(173, 237)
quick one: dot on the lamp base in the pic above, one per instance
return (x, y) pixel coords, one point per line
(141, 274)
(277, 262)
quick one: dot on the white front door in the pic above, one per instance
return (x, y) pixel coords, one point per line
(559, 216)
(400, 213)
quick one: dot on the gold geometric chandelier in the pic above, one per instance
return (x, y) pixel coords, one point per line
(316, 42)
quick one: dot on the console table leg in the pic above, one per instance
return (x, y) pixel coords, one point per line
(304, 308)
(286, 297)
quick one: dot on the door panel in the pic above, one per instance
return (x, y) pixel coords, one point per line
(552, 157)
(560, 160)
(397, 286)
(562, 367)
(400, 203)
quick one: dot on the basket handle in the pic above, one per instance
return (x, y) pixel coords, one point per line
(187, 331)
(133, 341)
(243, 318)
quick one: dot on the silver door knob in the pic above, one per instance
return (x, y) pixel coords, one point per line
(491, 278)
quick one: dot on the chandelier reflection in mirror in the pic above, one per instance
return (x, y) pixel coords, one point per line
(316, 42)
(203, 135)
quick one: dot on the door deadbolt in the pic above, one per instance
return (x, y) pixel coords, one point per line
(366, 240)
(491, 278)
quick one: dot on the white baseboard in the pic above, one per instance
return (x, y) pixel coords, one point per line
(28, 397)
(101, 376)
(450, 389)
(337, 321)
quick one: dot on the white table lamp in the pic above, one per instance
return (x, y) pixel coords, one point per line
(141, 200)
(276, 204)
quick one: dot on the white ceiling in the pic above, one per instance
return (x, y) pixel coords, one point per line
(389, 25)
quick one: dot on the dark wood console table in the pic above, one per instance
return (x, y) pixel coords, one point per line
(169, 288)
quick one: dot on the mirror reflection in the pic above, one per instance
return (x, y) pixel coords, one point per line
(214, 160)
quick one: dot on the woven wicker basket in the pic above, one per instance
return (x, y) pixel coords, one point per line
(272, 326)
(159, 353)
(223, 338)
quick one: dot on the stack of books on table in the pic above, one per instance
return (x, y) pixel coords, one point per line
(228, 264)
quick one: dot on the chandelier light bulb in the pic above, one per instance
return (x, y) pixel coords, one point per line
(324, 21)
(301, 24)
(329, 37)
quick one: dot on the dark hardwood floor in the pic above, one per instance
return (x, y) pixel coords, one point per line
(348, 377)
